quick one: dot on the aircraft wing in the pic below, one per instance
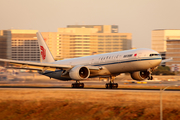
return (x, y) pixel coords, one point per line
(41, 66)
(35, 65)
(166, 60)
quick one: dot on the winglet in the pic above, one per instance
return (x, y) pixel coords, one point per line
(46, 56)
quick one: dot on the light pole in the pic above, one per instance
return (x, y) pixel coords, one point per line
(161, 107)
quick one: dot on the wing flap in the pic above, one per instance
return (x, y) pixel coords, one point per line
(38, 69)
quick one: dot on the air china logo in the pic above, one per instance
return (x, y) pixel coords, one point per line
(43, 52)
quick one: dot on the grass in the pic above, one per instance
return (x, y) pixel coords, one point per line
(54, 104)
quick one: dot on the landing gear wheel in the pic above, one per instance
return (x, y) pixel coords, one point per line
(77, 85)
(111, 85)
(107, 85)
(150, 78)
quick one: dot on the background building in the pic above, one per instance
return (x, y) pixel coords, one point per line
(173, 50)
(85, 40)
(73, 41)
(5, 44)
(166, 42)
(101, 28)
(24, 45)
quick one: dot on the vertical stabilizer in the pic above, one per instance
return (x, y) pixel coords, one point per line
(45, 53)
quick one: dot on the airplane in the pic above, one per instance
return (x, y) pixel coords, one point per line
(138, 62)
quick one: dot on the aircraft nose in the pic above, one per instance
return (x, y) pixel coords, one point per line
(156, 62)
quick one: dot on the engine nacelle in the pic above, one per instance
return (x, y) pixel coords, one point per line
(140, 75)
(79, 72)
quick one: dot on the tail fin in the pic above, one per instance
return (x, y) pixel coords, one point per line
(45, 53)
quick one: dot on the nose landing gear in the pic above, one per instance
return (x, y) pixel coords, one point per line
(150, 77)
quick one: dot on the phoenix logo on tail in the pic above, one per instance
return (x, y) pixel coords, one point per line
(43, 52)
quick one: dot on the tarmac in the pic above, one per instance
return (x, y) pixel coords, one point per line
(34, 80)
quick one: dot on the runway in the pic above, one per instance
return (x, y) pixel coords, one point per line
(89, 89)
(93, 86)
(27, 81)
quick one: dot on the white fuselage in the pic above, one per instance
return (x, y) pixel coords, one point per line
(117, 62)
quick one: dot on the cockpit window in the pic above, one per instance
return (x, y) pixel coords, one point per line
(154, 55)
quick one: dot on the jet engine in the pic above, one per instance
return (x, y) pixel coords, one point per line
(79, 72)
(140, 75)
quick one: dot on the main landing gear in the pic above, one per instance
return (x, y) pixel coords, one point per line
(111, 85)
(77, 84)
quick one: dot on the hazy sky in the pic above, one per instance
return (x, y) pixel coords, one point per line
(138, 17)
